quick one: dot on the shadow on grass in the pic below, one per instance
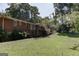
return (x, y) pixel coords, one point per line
(35, 38)
(74, 35)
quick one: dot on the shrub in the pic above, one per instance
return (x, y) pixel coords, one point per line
(43, 31)
(64, 28)
(3, 35)
(17, 34)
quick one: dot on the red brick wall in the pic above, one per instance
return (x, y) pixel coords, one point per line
(24, 26)
(0, 22)
(8, 25)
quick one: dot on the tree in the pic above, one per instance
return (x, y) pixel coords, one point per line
(19, 11)
(37, 19)
(61, 10)
(22, 10)
(75, 20)
(34, 11)
(75, 6)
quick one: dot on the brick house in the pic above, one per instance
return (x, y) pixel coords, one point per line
(9, 24)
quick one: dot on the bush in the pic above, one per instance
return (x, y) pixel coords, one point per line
(43, 31)
(17, 34)
(3, 35)
(64, 28)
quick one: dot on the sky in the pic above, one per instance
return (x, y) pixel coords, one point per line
(45, 9)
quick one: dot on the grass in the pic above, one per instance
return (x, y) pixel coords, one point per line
(53, 45)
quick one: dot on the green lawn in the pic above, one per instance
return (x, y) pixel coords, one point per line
(51, 45)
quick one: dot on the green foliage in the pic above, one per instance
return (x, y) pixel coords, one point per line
(22, 10)
(37, 19)
(62, 9)
(72, 13)
(59, 8)
(3, 35)
(34, 11)
(64, 28)
(75, 6)
(75, 20)
(17, 10)
(17, 34)
(77, 24)
(45, 21)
